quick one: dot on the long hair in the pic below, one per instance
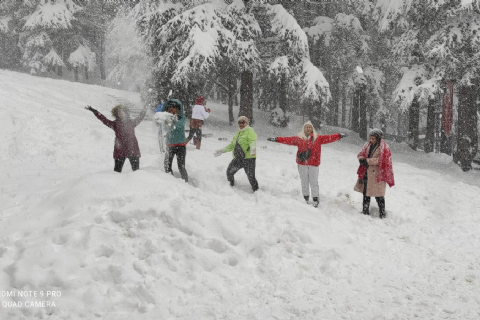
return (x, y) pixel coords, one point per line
(117, 109)
(302, 135)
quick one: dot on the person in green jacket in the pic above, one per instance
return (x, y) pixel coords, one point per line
(173, 117)
(243, 147)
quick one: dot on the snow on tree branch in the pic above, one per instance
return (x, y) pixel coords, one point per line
(58, 15)
(315, 86)
(287, 27)
(322, 28)
(4, 24)
(53, 59)
(83, 56)
(416, 83)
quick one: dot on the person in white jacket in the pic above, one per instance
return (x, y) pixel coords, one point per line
(199, 114)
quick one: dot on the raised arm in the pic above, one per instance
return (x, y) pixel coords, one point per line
(140, 117)
(101, 117)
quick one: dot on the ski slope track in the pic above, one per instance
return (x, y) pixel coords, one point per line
(146, 245)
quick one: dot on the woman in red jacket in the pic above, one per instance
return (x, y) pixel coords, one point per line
(126, 144)
(309, 145)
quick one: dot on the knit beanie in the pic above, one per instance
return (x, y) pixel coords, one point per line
(302, 135)
(200, 100)
(244, 119)
(377, 133)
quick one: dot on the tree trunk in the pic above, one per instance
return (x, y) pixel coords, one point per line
(282, 97)
(344, 106)
(363, 130)
(356, 111)
(383, 123)
(102, 56)
(445, 142)
(102, 43)
(430, 134)
(467, 135)
(75, 71)
(413, 123)
(59, 71)
(246, 96)
(336, 101)
(232, 89)
(86, 73)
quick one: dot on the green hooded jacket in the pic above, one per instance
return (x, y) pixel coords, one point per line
(247, 140)
(177, 135)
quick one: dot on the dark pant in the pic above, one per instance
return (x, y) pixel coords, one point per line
(366, 201)
(248, 165)
(134, 162)
(181, 152)
(195, 129)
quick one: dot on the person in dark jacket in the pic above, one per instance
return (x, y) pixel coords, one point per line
(172, 118)
(126, 144)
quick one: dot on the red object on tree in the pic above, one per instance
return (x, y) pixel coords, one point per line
(447, 111)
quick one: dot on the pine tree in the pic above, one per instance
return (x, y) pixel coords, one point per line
(50, 22)
(443, 37)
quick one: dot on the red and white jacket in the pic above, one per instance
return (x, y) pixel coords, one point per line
(304, 145)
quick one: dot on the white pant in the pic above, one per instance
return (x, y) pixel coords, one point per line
(309, 179)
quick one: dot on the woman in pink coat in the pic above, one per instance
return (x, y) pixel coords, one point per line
(375, 171)
(309, 145)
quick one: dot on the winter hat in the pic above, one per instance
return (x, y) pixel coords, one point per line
(244, 119)
(302, 135)
(199, 100)
(172, 104)
(377, 133)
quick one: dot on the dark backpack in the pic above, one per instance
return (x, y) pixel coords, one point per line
(305, 155)
(238, 151)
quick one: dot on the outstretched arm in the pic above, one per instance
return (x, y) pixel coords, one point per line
(328, 138)
(101, 117)
(291, 141)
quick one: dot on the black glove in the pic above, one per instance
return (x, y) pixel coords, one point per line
(90, 108)
(273, 139)
(363, 162)
(343, 135)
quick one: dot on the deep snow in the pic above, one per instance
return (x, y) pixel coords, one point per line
(146, 245)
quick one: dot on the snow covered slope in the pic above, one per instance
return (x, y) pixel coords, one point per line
(146, 245)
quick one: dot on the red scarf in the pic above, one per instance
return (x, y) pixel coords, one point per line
(385, 167)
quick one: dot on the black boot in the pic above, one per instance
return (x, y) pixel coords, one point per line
(381, 206)
(306, 198)
(366, 205)
(315, 202)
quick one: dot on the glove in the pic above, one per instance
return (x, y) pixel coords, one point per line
(90, 108)
(273, 139)
(218, 152)
(343, 135)
(363, 162)
(253, 151)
